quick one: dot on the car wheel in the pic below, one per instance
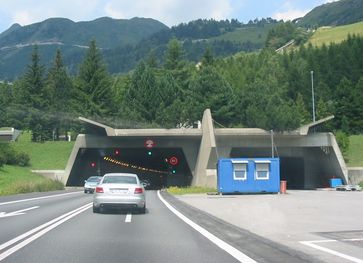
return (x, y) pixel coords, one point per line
(143, 210)
(96, 210)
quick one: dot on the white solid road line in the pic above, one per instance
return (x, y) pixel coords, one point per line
(46, 227)
(37, 198)
(16, 213)
(241, 257)
(330, 251)
(128, 218)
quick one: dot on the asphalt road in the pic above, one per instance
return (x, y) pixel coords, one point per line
(63, 228)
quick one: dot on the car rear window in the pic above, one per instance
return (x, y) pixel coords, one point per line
(119, 180)
(93, 179)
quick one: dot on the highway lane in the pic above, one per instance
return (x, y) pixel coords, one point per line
(63, 228)
(45, 208)
(157, 236)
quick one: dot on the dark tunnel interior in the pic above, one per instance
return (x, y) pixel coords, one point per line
(291, 168)
(159, 167)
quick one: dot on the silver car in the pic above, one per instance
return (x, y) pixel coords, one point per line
(91, 183)
(119, 190)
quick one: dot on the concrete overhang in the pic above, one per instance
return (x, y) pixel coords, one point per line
(109, 131)
(304, 130)
(158, 132)
(9, 134)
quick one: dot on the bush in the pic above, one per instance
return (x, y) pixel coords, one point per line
(2, 159)
(28, 187)
(12, 157)
(22, 159)
(343, 142)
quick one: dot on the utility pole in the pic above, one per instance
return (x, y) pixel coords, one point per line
(272, 144)
(312, 93)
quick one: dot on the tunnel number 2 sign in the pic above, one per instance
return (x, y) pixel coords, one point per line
(149, 143)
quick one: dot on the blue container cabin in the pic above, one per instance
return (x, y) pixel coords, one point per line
(242, 175)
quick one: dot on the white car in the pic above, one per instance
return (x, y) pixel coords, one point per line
(91, 183)
(119, 191)
(348, 187)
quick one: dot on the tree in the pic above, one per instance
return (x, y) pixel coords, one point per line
(343, 109)
(60, 87)
(303, 114)
(208, 58)
(34, 95)
(357, 108)
(94, 85)
(173, 55)
(142, 98)
(171, 110)
(210, 90)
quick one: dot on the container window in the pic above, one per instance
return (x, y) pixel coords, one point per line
(240, 171)
(262, 171)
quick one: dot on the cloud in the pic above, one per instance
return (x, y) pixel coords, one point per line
(289, 14)
(32, 11)
(170, 12)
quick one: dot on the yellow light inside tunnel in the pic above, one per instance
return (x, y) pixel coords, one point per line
(106, 158)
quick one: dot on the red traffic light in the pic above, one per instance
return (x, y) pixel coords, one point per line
(93, 164)
(117, 151)
(174, 161)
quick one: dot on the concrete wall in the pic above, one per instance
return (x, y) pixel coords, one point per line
(205, 173)
(355, 175)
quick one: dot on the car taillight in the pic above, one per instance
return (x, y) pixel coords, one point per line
(99, 189)
(138, 190)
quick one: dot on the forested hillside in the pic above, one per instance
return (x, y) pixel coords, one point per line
(265, 90)
(72, 38)
(225, 38)
(124, 43)
(341, 12)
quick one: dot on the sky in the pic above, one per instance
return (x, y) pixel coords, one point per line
(169, 12)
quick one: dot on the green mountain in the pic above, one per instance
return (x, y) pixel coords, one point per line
(72, 38)
(108, 32)
(223, 37)
(333, 14)
(125, 42)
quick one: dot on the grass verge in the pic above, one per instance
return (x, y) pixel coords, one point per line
(190, 190)
(46, 155)
(16, 180)
(355, 151)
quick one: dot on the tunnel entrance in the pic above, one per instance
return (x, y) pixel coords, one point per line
(292, 169)
(157, 167)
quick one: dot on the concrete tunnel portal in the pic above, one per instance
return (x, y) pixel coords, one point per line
(159, 167)
(308, 159)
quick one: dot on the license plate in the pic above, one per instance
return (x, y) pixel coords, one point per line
(119, 191)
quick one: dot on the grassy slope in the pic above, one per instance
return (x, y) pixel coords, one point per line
(355, 153)
(253, 34)
(12, 178)
(47, 155)
(335, 34)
